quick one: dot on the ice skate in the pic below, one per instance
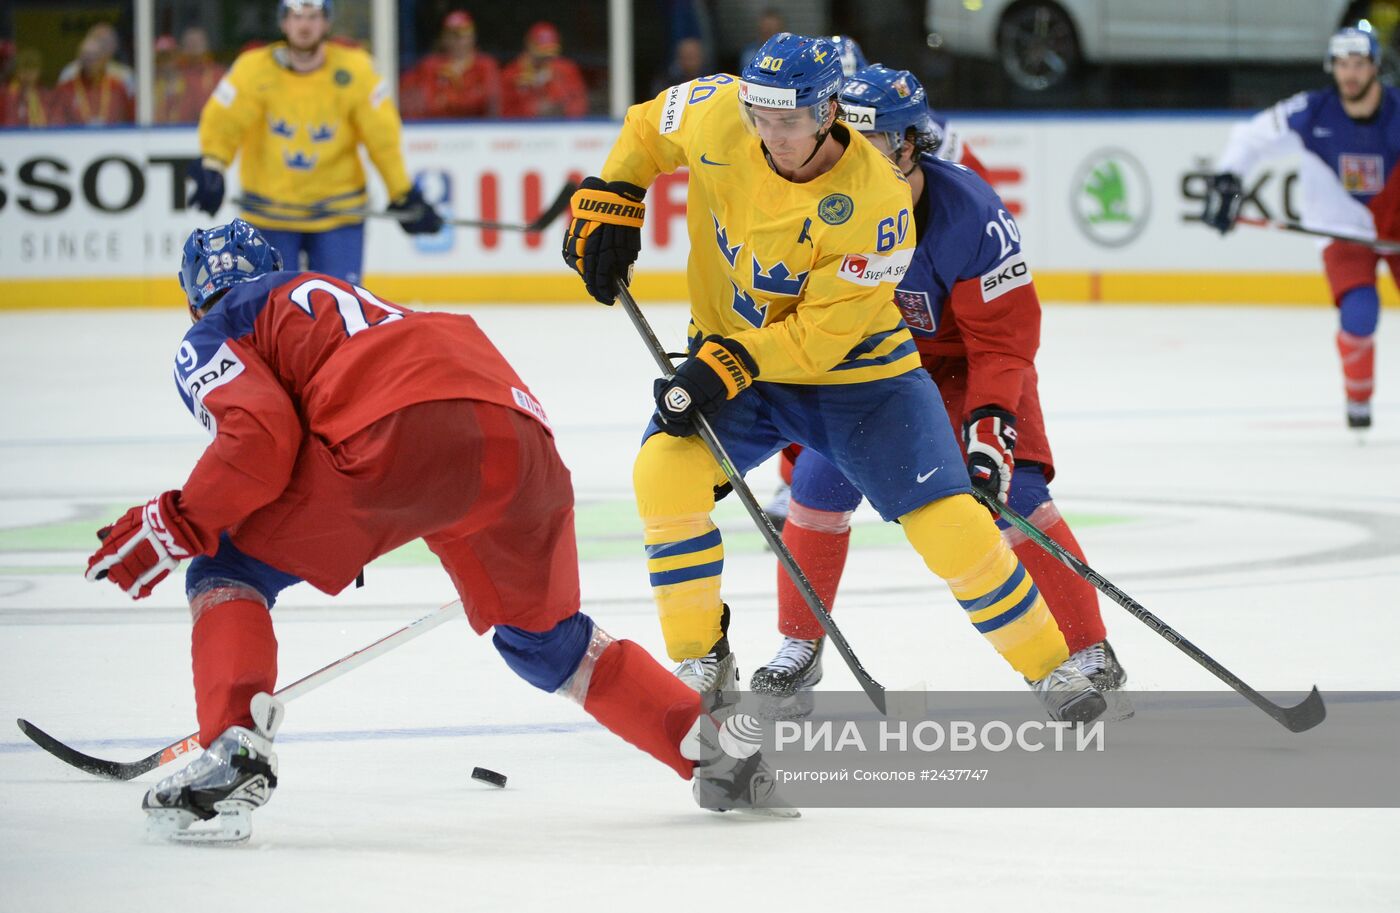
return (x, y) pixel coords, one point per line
(1358, 415)
(236, 774)
(797, 666)
(1069, 696)
(715, 673)
(1100, 666)
(777, 509)
(723, 782)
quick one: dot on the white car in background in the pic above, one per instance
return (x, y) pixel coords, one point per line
(1039, 43)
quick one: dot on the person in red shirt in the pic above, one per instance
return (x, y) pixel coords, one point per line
(460, 81)
(186, 75)
(95, 94)
(344, 426)
(541, 83)
(24, 102)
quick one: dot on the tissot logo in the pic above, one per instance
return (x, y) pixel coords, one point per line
(46, 185)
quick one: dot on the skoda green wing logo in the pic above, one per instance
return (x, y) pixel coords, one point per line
(1111, 197)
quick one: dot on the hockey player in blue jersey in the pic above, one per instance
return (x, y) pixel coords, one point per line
(1349, 140)
(970, 302)
(799, 231)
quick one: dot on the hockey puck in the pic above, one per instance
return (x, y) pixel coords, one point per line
(489, 776)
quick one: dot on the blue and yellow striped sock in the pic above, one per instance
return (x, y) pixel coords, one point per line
(685, 557)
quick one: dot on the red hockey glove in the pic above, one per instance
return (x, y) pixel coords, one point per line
(719, 371)
(990, 435)
(605, 234)
(145, 545)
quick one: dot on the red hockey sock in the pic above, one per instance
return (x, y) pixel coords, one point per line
(235, 657)
(819, 540)
(1072, 600)
(635, 698)
(1358, 365)
(787, 460)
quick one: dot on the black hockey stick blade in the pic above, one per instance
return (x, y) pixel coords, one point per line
(1295, 719)
(555, 210)
(873, 689)
(111, 770)
(1304, 716)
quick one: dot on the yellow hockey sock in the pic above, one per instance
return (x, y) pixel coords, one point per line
(959, 542)
(674, 480)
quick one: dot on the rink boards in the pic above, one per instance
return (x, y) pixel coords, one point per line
(96, 217)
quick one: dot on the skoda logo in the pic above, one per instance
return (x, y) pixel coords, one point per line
(1111, 197)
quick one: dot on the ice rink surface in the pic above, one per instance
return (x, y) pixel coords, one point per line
(1202, 460)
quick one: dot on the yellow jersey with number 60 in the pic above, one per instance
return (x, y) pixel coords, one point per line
(801, 275)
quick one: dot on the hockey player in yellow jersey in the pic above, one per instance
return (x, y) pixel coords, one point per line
(799, 231)
(295, 114)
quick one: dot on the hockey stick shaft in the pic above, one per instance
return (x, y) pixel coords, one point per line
(1297, 719)
(118, 770)
(1379, 245)
(293, 212)
(873, 689)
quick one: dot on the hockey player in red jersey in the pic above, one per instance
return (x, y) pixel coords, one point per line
(970, 302)
(344, 426)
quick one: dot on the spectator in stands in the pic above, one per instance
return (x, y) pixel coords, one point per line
(541, 83)
(687, 63)
(96, 93)
(186, 75)
(104, 35)
(458, 81)
(25, 102)
(770, 23)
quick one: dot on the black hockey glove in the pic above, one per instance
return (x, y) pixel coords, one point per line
(990, 437)
(1223, 198)
(208, 176)
(605, 234)
(417, 216)
(719, 371)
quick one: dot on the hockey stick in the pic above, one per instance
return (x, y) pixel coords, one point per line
(873, 689)
(118, 770)
(1299, 718)
(294, 212)
(1379, 245)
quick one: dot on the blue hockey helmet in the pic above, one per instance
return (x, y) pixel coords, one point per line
(852, 58)
(878, 99)
(792, 73)
(1348, 41)
(290, 6)
(215, 259)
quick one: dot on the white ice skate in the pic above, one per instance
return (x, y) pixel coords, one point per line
(1100, 666)
(1069, 696)
(715, 673)
(723, 782)
(220, 788)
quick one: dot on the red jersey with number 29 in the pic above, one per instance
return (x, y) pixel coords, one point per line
(293, 354)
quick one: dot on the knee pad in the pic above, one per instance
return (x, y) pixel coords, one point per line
(675, 476)
(955, 536)
(1361, 310)
(230, 568)
(546, 659)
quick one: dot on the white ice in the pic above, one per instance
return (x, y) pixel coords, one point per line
(1243, 512)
